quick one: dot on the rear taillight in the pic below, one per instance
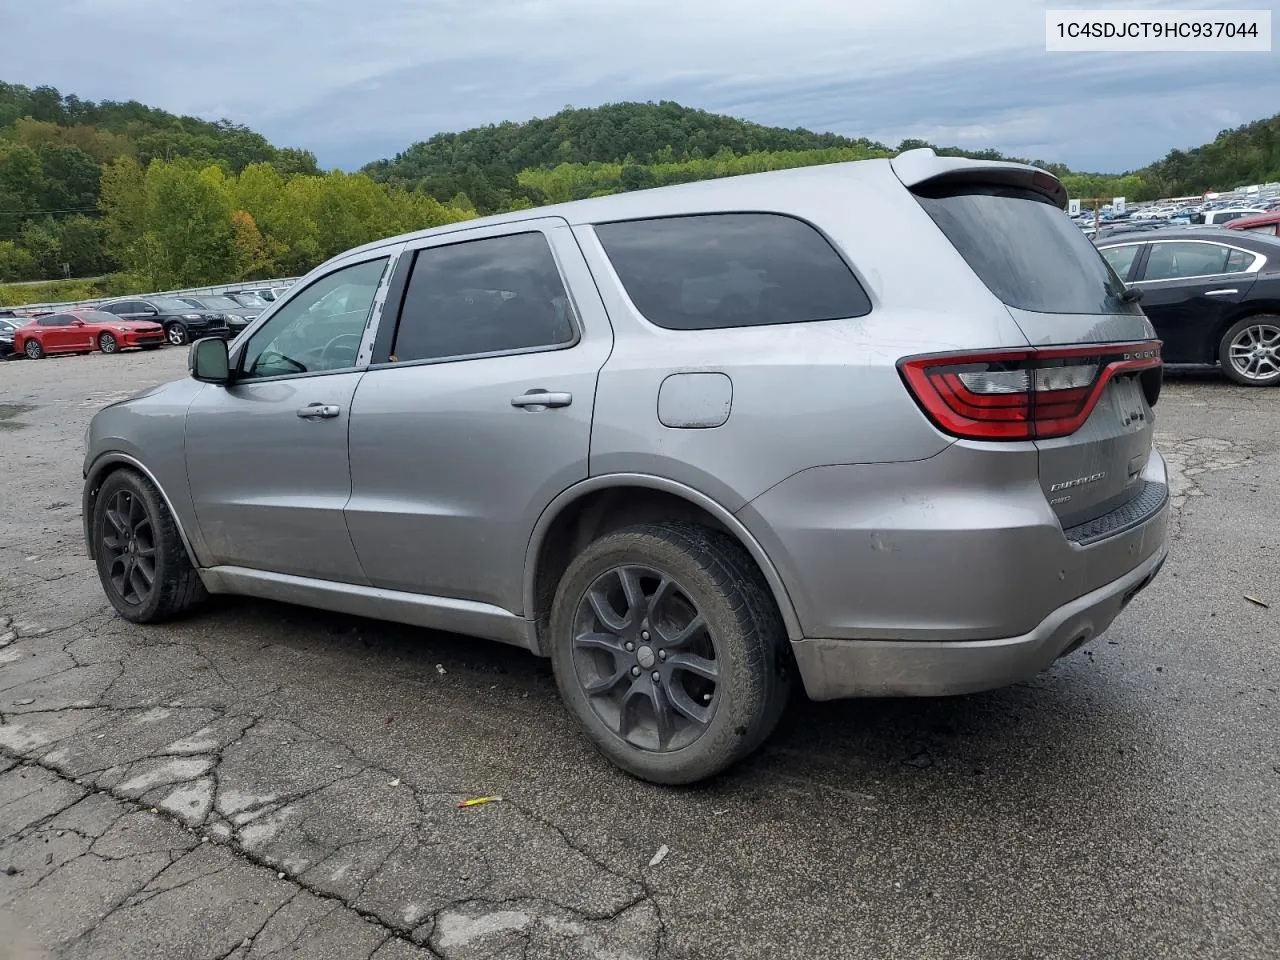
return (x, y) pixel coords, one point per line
(1028, 394)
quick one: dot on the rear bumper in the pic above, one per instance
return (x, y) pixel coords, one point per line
(832, 669)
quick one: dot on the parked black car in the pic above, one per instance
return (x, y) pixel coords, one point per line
(1213, 296)
(237, 315)
(8, 324)
(182, 322)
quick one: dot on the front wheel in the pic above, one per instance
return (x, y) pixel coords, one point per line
(33, 349)
(141, 560)
(1250, 351)
(107, 343)
(669, 651)
(176, 333)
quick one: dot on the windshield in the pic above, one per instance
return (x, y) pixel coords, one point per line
(171, 305)
(250, 300)
(220, 303)
(1026, 250)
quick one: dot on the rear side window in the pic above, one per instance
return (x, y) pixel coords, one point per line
(1173, 261)
(483, 297)
(1026, 250)
(731, 270)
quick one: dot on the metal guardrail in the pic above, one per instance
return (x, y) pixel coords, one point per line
(208, 291)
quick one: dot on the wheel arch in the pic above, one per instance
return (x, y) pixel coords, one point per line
(96, 475)
(600, 504)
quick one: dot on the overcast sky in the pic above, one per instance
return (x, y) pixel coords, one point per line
(355, 81)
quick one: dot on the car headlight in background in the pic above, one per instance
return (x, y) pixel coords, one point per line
(123, 329)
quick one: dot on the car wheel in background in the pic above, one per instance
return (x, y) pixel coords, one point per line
(107, 343)
(141, 560)
(176, 333)
(669, 651)
(1250, 351)
(33, 349)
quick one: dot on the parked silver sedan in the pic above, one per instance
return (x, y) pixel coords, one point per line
(689, 443)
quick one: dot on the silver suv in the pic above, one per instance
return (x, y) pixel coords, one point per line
(883, 425)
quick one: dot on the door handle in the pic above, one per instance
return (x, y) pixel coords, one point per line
(319, 411)
(541, 399)
(1221, 293)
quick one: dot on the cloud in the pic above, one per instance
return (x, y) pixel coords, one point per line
(357, 82)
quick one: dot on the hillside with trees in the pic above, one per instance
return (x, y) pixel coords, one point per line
(158, 200)
(163, 201)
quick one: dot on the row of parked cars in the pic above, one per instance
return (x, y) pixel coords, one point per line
(138, 322)
(1213, 295)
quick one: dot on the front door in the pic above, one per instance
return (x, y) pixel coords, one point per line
(267, 455)
(479, 413)
(1188, 288)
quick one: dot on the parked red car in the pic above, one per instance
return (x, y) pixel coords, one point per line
(1264, 223)
(83, 331)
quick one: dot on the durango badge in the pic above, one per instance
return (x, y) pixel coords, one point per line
(1077, 482)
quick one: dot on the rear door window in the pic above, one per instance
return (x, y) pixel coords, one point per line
(731, 270)
(483, 297)
(1026, 250)
(1182, 260)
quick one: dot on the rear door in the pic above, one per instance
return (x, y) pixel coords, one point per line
(1062, 294)
(477, 409)
(1189, 288)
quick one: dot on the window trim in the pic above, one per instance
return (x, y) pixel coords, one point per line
(1259, 261)
(390, 253)
(639, 314)
(395, 314)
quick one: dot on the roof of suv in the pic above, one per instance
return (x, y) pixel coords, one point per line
(743, 192)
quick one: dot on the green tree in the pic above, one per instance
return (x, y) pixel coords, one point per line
(189, 237)
(123, 203)
(16, 263)
(40, 239)
(81, 242)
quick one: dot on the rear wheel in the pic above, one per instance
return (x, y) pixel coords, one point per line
(141, 560)
(33, 349)
(669, 651)
(1250, 351)
(176, 333)
(107, 343)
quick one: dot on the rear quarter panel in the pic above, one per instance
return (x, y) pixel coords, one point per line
(803, 394)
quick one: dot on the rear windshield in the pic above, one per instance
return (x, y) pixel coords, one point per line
(1026, 250)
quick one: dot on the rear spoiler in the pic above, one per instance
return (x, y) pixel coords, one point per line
(918, 167)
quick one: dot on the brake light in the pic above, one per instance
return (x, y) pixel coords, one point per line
(1030, 394)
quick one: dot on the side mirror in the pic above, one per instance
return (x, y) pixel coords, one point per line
(208, 361)
(1131, 294)
(77, 323)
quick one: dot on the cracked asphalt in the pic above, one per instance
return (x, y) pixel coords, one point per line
(262, 780)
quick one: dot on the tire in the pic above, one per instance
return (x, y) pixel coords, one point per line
(710, 576)
(33, 350)
(1250, 351)
(107, 343)
(176, 334)
(129, 506)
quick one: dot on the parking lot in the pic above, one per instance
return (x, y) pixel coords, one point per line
(263, 780)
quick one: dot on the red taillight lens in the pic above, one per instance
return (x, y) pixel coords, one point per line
(1021, 394)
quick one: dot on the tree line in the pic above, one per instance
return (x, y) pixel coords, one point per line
(167, 200)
